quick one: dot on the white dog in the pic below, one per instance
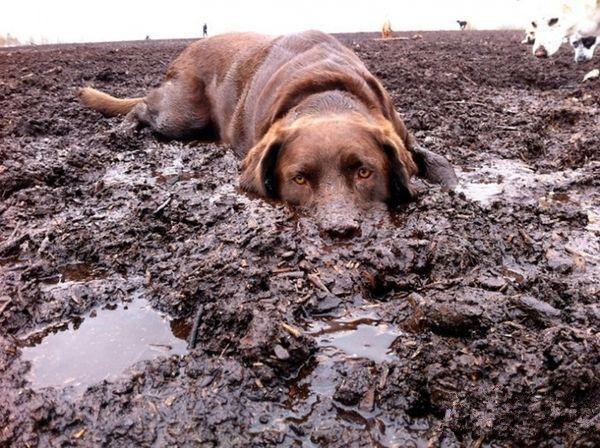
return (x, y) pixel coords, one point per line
(584, 47)
(558, 20)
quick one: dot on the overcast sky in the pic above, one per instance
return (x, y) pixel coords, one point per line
(108, 20)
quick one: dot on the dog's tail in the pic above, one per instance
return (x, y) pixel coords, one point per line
(105, 104)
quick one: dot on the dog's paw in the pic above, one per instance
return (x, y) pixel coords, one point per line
(125, 129)
(123, 136)
(594, 74)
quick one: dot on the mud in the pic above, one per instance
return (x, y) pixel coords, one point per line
(468, 318)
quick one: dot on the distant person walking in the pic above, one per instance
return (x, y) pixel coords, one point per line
(205, 30)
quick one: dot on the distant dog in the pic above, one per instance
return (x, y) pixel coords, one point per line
(386, 30)
(558, 20)
(462, 24)
(315, 127)
(584, 47)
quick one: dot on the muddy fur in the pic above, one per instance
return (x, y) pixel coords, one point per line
(301, 109)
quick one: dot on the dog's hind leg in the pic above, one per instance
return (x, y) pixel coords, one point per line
(133, 120)
(177, 109)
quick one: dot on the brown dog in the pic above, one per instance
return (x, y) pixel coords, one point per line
(315, 128)
(386, 30)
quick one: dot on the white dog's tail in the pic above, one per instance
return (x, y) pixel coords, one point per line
(105, 104)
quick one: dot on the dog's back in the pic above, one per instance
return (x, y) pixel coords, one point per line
(297, 65)
(239, 84)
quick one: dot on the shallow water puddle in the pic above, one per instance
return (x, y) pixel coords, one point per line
(353, 337)
(100, 347)
(480, 192)
(514, 181)
(122, 174)
(174, 172)
(501, 179)
(361, 337)
(340, 340)
(75, 273)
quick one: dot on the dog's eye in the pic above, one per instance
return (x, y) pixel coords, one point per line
(588, 42)
(552, 22)
(533, 24)
(300, 179)
(364, 173)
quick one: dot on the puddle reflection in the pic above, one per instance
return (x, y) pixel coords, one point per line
(100, 347)
(363, 337)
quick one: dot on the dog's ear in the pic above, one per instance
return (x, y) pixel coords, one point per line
(258, 168)
(430, 166)
(401, 164)
(433, 167)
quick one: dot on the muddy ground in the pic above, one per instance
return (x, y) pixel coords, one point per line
(468, 318)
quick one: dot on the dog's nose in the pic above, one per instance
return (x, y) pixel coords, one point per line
(338, 217)
(343, 230)
(541, 53)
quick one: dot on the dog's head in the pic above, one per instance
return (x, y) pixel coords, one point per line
(555, 22)
(338, 166)
(584, 47)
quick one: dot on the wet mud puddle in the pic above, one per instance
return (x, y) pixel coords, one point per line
(99, 347)
(357, 337)
(354, 338)
(514, 181)
(351, 338)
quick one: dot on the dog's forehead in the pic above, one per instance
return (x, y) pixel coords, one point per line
(332, 145)
(332, 132)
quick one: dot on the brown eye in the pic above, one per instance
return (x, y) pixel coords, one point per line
(364, 173)
(552, 22)
(300, 179)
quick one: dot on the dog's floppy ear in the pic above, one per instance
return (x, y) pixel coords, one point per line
(431, 166)
(402, 167)
(258, 168)
(434, 168)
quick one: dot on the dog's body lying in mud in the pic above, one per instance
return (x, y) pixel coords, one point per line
(314, 127)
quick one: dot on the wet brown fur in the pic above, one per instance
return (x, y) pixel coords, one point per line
(107, 105)
(254, 90)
